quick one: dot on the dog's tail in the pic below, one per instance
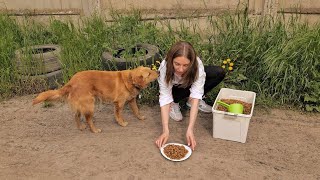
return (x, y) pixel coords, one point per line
(51, 95)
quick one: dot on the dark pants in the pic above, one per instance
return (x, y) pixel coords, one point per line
(214, 75)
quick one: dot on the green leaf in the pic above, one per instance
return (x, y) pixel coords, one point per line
(308, 98)
(241, 77)
(309, 108)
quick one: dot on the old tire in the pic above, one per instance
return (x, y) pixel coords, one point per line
(39, 66)
(39, 83)
(37, 60)
(116, 61)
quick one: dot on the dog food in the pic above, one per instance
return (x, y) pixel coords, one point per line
(175, 151)
(246, 106)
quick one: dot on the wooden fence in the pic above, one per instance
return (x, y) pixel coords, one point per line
(310, 9)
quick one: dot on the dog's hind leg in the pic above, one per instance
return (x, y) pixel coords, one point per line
(135, 109)
(80, 125)
(85, 105)
(118, 107)
(88, 116)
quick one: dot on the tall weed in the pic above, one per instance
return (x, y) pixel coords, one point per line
(10, 39)
(273, 56)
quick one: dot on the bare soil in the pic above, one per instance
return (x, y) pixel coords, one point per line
(44, 143)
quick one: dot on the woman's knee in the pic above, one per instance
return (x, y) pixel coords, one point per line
(215, 72)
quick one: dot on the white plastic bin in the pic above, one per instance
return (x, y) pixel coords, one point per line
(230, 126)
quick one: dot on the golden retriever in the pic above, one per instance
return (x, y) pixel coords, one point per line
(118, 87)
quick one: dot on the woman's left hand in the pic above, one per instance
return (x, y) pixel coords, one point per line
(191, 139)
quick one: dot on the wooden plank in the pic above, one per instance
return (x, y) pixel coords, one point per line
(32, 4)
(45, 12)
(300, 10)
(90, 6)
(305, 4)
(169, 4)
(71, 4)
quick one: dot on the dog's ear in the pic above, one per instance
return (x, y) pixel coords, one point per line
(141, 77)
(138, 80)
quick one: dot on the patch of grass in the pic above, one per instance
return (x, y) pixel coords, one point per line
(8, 44)
(273, 56)
(47, 104)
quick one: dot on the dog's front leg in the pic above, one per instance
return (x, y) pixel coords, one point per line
(135, 109)
(118, 107)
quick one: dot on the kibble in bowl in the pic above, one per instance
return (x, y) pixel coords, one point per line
(176, 151)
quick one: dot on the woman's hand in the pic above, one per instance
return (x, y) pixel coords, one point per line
(162, 139)
(191, 139)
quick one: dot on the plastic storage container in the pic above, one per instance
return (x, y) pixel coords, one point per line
(230, 126)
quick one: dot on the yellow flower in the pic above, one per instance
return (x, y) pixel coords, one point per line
(224, 62)
(223, 66)
(230, 68)
(231, 64)
(228, 60)
(153, 67)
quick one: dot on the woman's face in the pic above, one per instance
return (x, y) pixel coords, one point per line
(180, 65)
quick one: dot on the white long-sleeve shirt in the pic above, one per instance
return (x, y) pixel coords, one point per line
(196, 89)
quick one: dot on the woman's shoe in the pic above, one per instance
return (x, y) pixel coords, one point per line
(203, 106)
(175, 112)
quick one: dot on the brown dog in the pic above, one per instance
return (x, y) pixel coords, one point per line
(115, 86)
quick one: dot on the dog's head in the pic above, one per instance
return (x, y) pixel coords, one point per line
(142, 76)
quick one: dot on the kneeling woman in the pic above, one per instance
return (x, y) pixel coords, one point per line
(183, 75)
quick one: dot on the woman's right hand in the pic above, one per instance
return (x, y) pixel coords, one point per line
(162, 139)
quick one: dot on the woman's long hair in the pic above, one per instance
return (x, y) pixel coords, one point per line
(182, 49)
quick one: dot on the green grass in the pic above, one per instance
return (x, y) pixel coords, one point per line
(275, 57)
(8, 44)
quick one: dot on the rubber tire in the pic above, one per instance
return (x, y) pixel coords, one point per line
(114, 62)
(49, 58)
(52, 79)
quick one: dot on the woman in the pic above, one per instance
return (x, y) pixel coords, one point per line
(183, 75)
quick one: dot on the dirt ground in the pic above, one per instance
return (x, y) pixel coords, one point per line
(44, 143)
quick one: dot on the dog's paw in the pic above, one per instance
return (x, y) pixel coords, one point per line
(96, 130)
(123, 124)
(141, 117)
(82, 126)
